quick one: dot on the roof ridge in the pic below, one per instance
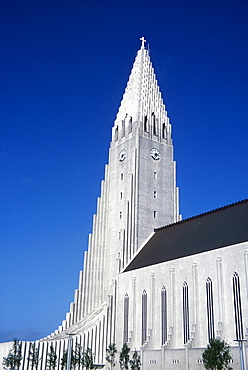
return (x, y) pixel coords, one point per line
(204, 213)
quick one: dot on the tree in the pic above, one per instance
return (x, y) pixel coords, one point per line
(88, 359)
(51, 361)
(63, 361)
(78, 355)
(33, 356)
(13, 360)
(135, 361)
(124, 357)
(110, 357)
(217, 355)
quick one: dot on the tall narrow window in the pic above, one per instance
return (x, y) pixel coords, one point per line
(185, 313)
(154, 214)
(145, 124)
(144, 316)
(130, 125)
(116, 133)
(164, 315)
(210, 309)
(126, 308)
(155, 175)
(154, 194)
(123, 129)
(121, 176)
(237, 307)
(154, 124)
(164, 131)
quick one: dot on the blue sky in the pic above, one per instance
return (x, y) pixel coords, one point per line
(63, 68)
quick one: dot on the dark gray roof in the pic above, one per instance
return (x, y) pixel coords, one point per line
(215, 229)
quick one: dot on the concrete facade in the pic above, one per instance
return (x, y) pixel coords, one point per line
(219, 266)
(139, 194)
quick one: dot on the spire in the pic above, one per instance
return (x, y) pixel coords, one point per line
(142, 103)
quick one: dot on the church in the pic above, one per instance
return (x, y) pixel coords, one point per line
(163, 285)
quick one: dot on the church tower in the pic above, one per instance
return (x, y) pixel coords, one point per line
(139, 191)
(143, 193)
(138, 194)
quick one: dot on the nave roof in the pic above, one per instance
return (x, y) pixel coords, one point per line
(212, 230)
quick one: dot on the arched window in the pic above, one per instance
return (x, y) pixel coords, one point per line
(126, 309)
(210, 309)
(237, 307)
(164, 315)
(144, 316)
(185, 313)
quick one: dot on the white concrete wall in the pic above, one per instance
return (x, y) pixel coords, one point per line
(219, 265)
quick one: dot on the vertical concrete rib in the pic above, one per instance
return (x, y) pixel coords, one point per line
(220, 297)
(131, 220)
(151, 302)
(133, 316)
(102, 244)
(172, 300)
(135, 203)
(91, 265)
(80, 295)
(99, 249)
(104, 231)
(87, 278)
(85, 281)
(75, 306)
(128, 244)
(195, 297)
(94, 256)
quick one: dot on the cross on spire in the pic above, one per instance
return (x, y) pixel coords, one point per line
(142, 39)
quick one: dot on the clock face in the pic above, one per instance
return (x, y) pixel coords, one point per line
(122, 155)
(155, 154)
